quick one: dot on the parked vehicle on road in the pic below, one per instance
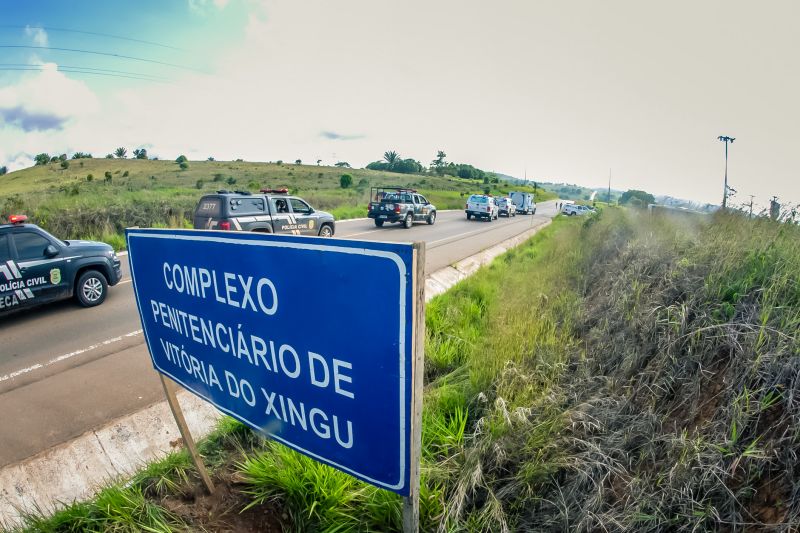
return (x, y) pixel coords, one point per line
(399, 204)
(524, 201)
(505, 206)
(575, 209)
(270, 211)
(481, 206)
(37, 268)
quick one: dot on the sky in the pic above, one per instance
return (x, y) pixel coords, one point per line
(565, 91)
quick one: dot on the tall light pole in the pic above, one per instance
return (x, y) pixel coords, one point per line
(727, 140)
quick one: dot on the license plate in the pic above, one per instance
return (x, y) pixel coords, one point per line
(382, 216)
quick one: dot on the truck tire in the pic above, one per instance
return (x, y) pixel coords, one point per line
(91, 288)
(431, 218)
(379, 223)
(326, 231)
(469, 217)
(408, 221)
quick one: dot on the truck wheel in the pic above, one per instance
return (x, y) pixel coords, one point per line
(91, 288)
(408, 221)
(379, 223)
(469, 217)
(431, 218)
(534, 211)
(326, 231)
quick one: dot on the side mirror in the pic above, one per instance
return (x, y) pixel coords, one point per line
(50, 251)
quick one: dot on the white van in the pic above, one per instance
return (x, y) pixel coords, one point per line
(524, 202)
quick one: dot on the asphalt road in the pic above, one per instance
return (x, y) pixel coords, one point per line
(66, 370)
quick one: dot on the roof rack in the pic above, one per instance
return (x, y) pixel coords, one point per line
(246, 193)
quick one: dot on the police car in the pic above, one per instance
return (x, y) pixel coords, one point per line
(37, 268)
(271, 211)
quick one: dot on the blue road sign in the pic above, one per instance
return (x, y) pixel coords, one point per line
(308, 340)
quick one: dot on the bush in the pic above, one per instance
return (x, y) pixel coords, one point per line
(3, 170)
(254, 185)
(125, 174)
(65, 164)
(199, 184)
(109, 177)
(231, 180)
(184, 165)
(346, 181)
(218, 177)
(89, 177)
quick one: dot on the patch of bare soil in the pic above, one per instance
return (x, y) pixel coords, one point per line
(223, 511)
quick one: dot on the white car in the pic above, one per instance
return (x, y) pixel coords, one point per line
(506, 207)
(575, 209)
(481, 206)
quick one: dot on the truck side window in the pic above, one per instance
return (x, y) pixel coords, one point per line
(422, 200)
(30, 246)
(280, 205)
(299, 206)
(5, 251)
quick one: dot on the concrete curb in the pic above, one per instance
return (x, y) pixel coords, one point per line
(75, 470)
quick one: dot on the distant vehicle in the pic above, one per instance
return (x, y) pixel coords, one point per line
(481, 206)
(524, 201)
(506, 207)
(37, 268)
(270, 211)
(398, 204)
(575, 209)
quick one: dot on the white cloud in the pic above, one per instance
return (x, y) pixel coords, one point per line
(37, 35)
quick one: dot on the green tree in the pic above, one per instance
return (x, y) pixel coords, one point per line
(184, 165)
(298, 161)
(343, 164)
(121, 153)
(345, 181)
(391, 157)
(181, 159)
(636, 198)
(3, 170)
(140, 153)
(319, 162)
(41, 159)
(210, 159)
(109, 156)
(65, 164)
(62, 157)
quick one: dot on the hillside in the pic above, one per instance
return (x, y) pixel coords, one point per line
(98, 198)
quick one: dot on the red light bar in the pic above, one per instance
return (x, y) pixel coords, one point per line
(275, 191)
(17, 219)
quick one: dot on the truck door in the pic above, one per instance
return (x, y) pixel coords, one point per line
(418, 205)
(303, 219)
(43, 273)
(281, 216)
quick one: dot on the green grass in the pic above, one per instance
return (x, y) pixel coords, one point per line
(150, 193)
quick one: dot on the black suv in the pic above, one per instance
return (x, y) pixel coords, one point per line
(37, 268)
(271, 211)
(398, 204)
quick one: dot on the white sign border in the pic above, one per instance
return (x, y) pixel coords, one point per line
(175, 235)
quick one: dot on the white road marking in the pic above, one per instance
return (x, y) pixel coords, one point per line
(64, 357)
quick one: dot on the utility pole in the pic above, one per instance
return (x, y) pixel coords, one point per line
(727, 140)
(751, 205)
(608, 198)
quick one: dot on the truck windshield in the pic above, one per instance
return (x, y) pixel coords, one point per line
(396, 197)
(478, 199)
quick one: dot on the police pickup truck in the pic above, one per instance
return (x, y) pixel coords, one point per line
(398, 204)
(36, 268)
(271, 211)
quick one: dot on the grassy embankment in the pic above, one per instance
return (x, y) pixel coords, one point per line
(159, 193)
(616, 373)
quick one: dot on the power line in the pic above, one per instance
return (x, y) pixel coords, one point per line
(28, 66)
(68, 30)
(94, 52)
(34, 69)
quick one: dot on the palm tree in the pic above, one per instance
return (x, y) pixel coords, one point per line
(391, 157)
(120, 152)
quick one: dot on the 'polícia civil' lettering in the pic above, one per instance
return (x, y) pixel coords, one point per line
(244, 292)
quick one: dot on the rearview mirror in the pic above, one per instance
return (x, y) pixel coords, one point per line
(50, 251)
